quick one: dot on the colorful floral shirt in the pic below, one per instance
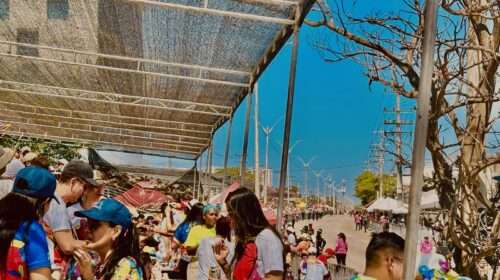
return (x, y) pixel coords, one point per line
(127, 269)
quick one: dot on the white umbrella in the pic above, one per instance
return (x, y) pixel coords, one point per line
(403, 209)
(385, 204)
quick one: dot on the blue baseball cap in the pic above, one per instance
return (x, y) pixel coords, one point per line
(497, 178)
(35, 182)
(108, 210)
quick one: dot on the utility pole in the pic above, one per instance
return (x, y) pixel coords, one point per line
(318, 175)
(398, 123)
(421, 127)
(380, 161)
(306, 169)
(256, 140)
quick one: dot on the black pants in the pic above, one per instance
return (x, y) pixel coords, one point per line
(341, 258)
(181, 272)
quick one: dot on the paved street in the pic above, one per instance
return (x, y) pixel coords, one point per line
(356, 240)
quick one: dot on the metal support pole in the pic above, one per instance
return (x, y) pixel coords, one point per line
(195, 171)
(256, 141)
(306, 194)
(399, 169)
(200, 183)
(226, 152)
(266, 185)
(244, 153)
(421, 126)
(288, 120)
(209, 167)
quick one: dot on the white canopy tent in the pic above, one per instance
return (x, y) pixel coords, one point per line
(385, 204)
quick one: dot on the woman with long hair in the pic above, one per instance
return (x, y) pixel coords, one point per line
(259, 252)
(24, 252)
(114, 239)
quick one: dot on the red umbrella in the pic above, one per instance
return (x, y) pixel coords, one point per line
(137, 197)
(221, 197)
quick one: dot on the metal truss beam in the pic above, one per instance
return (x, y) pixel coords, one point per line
(90, 123)
(151, 141)
(124, 70)
(140, 61)
(116, 98)
(94, 142)
(123, 120)
(217, 12)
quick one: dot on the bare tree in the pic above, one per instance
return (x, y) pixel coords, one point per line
(389, 47)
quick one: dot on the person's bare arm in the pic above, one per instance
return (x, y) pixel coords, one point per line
(40, 274)
(66, 242)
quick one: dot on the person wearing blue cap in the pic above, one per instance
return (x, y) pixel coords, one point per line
(114, 239)
(24, 252)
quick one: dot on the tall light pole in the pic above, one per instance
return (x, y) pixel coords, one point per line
(342, 190)
(318, 175)
(267, 131)
(306, 165)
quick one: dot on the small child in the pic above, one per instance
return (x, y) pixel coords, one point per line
(316, 270)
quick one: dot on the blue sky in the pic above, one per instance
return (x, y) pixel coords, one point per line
(335, 114)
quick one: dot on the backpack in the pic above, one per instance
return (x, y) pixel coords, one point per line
(182, 231)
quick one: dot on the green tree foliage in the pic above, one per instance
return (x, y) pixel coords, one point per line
(52, 150)
(234, 174)
(368, 183)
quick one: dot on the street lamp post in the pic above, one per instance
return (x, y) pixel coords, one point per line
(306, 165)
(318, 175)
(267, 131)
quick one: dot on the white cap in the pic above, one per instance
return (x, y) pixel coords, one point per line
(290, 229)
(29, 157)
(25, 149)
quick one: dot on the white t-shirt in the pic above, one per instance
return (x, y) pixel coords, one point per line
(12, 168)
(316, 271)
(5, 187)
(291, 239)
(269, 251)
(206, 256)
(57, 218)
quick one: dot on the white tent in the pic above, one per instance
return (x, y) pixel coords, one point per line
(430, 200)
(403, 209)
(385, 204)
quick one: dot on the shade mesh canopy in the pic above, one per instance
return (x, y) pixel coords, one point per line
(136, 75)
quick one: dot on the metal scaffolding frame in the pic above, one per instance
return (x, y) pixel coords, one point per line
(120, 95)
(219, 12)
(28, 125)
(117, 99)
(107, 118)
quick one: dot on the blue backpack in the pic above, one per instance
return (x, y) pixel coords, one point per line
(182, 231)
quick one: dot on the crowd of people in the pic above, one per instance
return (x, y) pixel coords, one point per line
(363, 220)
(58, 225)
